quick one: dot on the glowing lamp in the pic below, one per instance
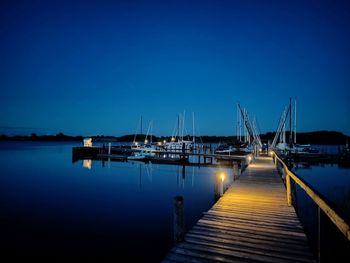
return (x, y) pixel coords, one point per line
(222, 176)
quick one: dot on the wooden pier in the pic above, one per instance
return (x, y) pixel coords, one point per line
(251, 222)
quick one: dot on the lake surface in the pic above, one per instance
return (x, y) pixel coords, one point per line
(51, 206)
(333, 184)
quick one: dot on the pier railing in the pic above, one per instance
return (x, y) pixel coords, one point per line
(322, 204)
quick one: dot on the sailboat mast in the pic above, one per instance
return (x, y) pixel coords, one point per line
(193, 139)
(237, 123)
(178, 126)
(295, 121)
(141, 124)
(290, 121)
(183, 126)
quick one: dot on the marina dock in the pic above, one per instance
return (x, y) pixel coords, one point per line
(198, 158)
(251, 222)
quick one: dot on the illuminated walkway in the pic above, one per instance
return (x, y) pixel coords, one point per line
(251, 222)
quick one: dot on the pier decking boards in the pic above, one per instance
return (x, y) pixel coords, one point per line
(251, 222)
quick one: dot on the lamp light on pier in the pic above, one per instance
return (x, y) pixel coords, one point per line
(164, 142)
(160, 143)
(249, 158)
(172, 139)
(146, 141)
(222, 176)
(219, 184)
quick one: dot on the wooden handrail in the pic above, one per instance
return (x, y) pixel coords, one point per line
(334, 217)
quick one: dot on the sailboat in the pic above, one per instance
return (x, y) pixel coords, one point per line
(291, 147)
(177, 145)
(142, 154)
(240, 147)
(146, 149)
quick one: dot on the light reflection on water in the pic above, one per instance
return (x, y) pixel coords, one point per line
(51, 206)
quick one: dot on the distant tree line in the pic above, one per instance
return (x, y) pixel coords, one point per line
(316, 137)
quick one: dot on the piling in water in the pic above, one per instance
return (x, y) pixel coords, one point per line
(179, 221)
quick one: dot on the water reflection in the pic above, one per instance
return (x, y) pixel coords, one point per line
(87, 164)
(113, 212)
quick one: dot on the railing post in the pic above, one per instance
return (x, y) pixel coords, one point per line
(179, 222)
(289, 192)
(235, 171)
(319, 234)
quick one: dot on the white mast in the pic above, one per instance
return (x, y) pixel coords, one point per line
(295, 121)
(237, 123)
(244, 126)
(193, 139)
(183, 126)
(148, 131)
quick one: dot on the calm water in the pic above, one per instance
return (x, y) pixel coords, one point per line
(333, 183)
(51, 206)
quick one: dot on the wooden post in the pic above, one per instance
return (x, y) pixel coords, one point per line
(179, 221)
(220, 184)
(243, 163)
(319, 234)
(235, 170)
(218, 187)
(289, 192)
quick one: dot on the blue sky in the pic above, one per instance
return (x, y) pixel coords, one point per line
(94, 67)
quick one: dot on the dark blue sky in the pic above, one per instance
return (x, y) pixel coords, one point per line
(94, 67)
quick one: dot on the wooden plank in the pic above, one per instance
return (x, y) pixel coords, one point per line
(205, 255)
(259, 228)
(258, 236)
(256, 251)
(251, 222)
(232, 253)
(256, 232)
(243, 214)
(250, 240)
